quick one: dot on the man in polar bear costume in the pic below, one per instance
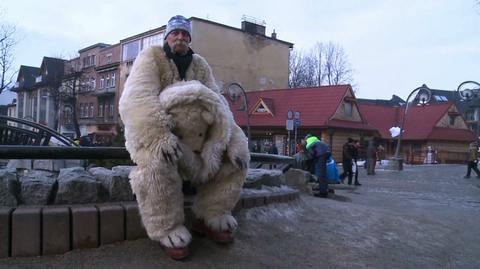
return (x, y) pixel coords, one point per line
(177, 131)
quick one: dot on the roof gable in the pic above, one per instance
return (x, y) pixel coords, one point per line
(26, 75)
(264, 106)
(348, 109)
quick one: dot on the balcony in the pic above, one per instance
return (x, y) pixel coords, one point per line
(98, 120)
(105, 92)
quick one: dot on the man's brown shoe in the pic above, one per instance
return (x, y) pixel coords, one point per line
(222, 237)
(176, 253)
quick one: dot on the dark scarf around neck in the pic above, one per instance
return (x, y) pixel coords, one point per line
(181, 61)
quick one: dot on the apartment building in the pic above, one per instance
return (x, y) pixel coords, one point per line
(37, 92)
(244, 55)
(91, 81)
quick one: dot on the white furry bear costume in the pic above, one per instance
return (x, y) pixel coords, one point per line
(176, 132)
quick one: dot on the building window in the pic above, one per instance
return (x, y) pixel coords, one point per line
(20, 105)
(90, 114)
(111, 111)
(67, 115)
(109, 58)
(34, 107)
(100, 110)
(131, 50)
(89, 60)
(43, 106)
(348, 108)
(81, 110)
(440, 98)
(452, 120)
(107, 82)
(93, 83)
(102, 82)
(470, 115)
(113, 80)
(152, 40)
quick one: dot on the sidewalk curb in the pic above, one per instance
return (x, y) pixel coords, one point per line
(34, 230)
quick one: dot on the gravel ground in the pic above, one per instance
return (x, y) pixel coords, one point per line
(423, 217)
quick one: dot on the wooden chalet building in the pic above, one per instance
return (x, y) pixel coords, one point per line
(329, 112)
(438, 125)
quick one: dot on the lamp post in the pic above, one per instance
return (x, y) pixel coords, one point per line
(467, 91)
(234, 91)
(422, 96)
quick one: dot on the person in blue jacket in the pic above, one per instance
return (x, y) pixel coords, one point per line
(320, 153)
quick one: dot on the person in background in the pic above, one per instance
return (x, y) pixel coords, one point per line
(347, 157)
(380, 154)
(356, 154)
(371, 157)
(472, 160)
(320, 152)
(273, 149)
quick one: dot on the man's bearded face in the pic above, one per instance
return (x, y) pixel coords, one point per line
(178, 41)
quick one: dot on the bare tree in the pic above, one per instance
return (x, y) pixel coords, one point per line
(302, 70)
(7, 44)
(325, 64)
(295, 70)
(336, 68)
(74, 82)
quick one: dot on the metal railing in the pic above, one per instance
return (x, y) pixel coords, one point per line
(20, 131)
(78, 153)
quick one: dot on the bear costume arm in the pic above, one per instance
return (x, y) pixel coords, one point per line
(147, 125)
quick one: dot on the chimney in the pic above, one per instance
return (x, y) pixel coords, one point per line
(253, 26)
(274, 35)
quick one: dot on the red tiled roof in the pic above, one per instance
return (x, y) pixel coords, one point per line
(381, 117)
(420, 122)
(452, 134)
(316, 106)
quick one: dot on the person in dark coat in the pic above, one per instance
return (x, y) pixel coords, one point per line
(356, 154)
(320, 153)
(371, 157)
(347, 157)
(273, 149)
(472, 160)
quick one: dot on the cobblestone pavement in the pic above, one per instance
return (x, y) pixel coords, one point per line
(422, 217)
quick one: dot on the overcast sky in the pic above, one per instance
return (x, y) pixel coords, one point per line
(393, 46)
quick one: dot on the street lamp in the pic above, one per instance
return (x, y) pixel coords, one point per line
(467, 91)
(234, 91)
(422, 96)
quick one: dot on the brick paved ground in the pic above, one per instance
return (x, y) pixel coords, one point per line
(422, 217)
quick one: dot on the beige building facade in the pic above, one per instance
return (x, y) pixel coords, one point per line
(243, 55)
